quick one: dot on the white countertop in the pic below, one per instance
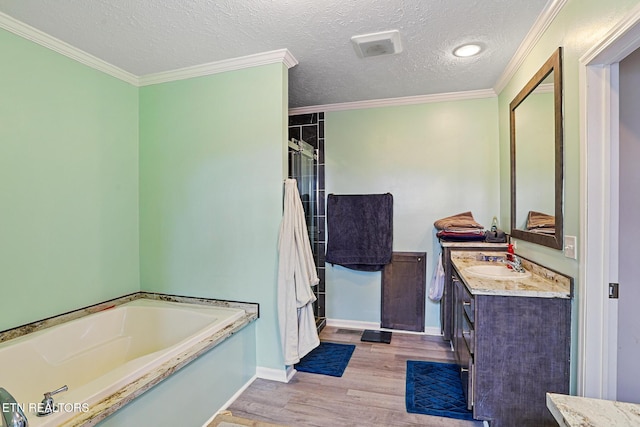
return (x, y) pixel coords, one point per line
(574, 411)
(542, 283)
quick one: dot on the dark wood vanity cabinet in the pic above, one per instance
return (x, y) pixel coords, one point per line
(447, 300)
(512, 350)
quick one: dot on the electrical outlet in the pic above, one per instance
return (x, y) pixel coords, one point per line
(570, 247)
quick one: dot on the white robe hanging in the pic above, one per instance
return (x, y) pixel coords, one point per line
(296, 275)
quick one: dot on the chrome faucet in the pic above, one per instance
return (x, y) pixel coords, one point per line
(47, 406)
(10, 411)
(515, 264)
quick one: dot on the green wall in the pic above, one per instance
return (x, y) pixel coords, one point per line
(211, 172)
(579, 26)
(436, 159)
(68, 184)
(106, 188)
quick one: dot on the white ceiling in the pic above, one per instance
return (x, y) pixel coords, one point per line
(151, 36)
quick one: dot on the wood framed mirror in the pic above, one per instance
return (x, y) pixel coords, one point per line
(536, 132)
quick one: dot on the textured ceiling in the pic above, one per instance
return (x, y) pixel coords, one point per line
(151, 36)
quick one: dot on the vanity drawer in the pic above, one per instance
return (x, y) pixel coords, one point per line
(468, 333)
(467, 300)
(469, 308)
(465, 316)
(466, 377)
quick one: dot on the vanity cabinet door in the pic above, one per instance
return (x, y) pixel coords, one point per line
(463, 336)
(447, 302)
(521, 353)
(404, 291)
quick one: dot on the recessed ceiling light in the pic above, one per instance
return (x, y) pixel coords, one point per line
(467, 50)
(376, 44)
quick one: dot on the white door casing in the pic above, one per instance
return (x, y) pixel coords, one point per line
(598, 315)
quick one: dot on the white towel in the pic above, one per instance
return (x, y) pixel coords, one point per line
(296, 275)
(437, 282)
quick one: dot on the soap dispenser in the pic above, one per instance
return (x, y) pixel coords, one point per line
(494, 225)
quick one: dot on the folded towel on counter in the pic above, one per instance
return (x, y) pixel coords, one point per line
(461, 236)
(360, 230)
(540, 220)
(464, 230)
(461, 220)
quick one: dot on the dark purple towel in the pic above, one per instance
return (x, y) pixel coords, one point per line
(360, 230)
(454, 236)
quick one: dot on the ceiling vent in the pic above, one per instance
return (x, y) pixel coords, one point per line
(376, 44)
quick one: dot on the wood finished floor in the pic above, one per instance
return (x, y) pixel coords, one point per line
(370, 393)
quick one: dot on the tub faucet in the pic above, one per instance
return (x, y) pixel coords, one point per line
(47, 405)
(516, 263)
(10, 411)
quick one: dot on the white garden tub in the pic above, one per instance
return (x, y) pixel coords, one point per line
(99, 354)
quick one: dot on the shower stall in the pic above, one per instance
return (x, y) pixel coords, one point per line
(303, 166)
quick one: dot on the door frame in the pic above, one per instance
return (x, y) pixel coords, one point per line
(599, 139)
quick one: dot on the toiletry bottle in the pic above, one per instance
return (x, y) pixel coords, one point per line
(494, 225)
(510, 252)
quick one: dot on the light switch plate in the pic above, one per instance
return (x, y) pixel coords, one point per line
(570, 248)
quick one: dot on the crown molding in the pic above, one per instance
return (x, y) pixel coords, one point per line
(391, 102)
(43, 39)
(533, 36)
(275, 56)
(623, 35)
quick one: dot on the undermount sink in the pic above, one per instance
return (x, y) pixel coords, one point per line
(497, 272)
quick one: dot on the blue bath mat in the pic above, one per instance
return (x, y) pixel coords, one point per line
(327, 359)
(436, 389)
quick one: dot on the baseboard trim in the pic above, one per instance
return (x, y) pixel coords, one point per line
(231, 400)
(290, 373)
(433, 331)
(263, 373)
(353, 324)
(279, 375)
(357, 324)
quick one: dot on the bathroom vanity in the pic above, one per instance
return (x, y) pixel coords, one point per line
(446, 302)
(511, 337)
